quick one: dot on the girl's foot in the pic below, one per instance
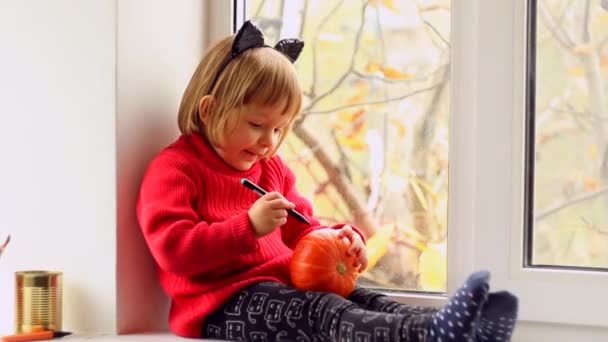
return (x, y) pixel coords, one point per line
(456, 321)
(497, 317)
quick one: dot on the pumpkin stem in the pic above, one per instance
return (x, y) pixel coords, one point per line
(341, 268)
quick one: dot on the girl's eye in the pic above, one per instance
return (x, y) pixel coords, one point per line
(253, 124)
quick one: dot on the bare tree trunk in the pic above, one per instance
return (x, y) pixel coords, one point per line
(420, 151)
(405, 260)
(361, 216)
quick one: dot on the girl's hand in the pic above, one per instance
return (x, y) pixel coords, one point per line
(357, 247)
(268, 213)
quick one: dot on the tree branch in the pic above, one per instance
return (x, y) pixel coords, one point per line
(361, 217)
(303, 22)
(343, 161)
(393, 82)
(392, 99)
(585, 114)
(350, 68)
(562, 15)
(582, 198)
(316, 180)
(423, 137)
(259, 10)
(434, 29)
(556, 30)
(598, 101)
(586, 35)
(380, 35)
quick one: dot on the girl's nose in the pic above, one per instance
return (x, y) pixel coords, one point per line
(269, 139)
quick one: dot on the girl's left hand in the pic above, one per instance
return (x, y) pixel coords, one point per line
(357, 247)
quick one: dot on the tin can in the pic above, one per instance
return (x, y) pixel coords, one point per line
(38, 301)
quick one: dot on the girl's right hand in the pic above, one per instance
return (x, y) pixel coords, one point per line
(268, 213)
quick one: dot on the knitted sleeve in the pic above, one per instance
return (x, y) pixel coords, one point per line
(179, 242)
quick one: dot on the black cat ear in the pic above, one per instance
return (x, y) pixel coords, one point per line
(290, 47)
(249, 36)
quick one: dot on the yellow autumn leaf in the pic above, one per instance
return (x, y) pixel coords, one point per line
(345, 116)
(401, 127)
(372, 67)
(357, 98)
(604, 61)
(361, 93)
(432, 266)
(353, 127)
(591, 184)
(362, 85)
(413, 237)
(395, 74)
(390, 4)
(377, 245)
(593, 152)
(337, 125)
(433, 7)
(353, 142)
(577, 71)
(583, 49)
(357, 129)
(350, 116)
(601, 18)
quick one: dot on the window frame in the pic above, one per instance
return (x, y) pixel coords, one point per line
(487, 177)
(493, 179)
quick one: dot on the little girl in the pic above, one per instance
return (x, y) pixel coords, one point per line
(223, 251)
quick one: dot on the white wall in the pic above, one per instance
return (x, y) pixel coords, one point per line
(160, 43)
(57, 153)
(89, 92)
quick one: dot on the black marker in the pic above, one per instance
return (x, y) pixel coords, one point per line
(246, 182)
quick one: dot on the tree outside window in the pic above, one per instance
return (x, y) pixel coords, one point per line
(568, 134)
(371, 147)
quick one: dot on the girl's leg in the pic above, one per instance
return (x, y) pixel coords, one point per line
(375, 301)
(497, 318)
(274, 312)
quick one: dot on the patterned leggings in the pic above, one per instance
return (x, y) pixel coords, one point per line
(271, 311)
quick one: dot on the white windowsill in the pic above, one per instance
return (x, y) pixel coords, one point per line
(144, 337)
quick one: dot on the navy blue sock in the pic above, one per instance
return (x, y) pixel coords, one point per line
(498, 317)
(456, 321)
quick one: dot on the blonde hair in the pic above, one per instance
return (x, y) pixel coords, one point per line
(262, 76)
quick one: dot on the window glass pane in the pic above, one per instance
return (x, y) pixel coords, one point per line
(372, 145)
(570, 141)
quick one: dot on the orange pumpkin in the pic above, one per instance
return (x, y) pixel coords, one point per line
(320, 263)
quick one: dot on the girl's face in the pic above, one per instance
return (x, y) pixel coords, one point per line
(255, 135)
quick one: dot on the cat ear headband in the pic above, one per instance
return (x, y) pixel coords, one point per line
(249, 37)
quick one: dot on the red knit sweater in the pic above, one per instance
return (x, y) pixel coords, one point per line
(192, 210)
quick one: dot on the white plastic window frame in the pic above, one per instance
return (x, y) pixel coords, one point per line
(487, 153)
(487, 169)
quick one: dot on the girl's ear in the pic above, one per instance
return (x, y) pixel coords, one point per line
(204, 106)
